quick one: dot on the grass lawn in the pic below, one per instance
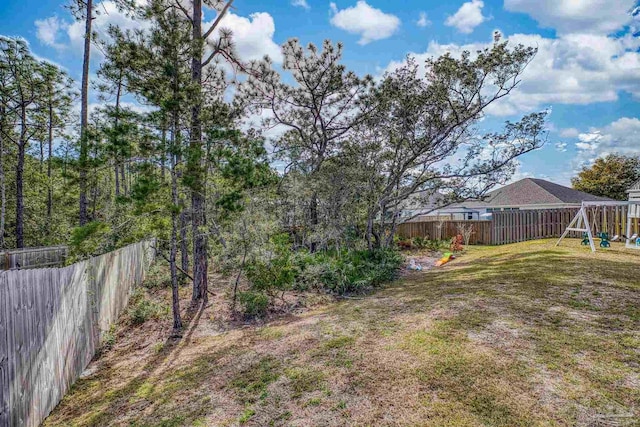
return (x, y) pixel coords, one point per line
(524, 334)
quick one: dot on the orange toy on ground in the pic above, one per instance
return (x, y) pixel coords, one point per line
(445, 259)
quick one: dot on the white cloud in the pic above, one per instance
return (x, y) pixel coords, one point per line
(583, 16)
(592, 137)
(109, 15)
(252, 36)
(47, 31)
(561, 146)
(301, 3)
(423, 21)
(574, 69)
(468, 17)
(64, 35)
(370, 23)
(620, 136)
(569, 133)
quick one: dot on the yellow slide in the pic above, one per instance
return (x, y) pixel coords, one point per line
(448, 256)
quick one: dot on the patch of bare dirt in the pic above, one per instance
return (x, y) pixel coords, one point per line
(503, 335)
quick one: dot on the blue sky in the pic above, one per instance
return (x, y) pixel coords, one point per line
(587, 71)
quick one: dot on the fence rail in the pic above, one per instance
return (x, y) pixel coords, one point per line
(519, 226)
(437, 230)
(50, 256)
(53, 320)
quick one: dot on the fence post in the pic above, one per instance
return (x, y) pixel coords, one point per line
(5, 353)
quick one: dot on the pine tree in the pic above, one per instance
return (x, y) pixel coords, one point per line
(25, 87)
(195, 172)
(84, 10)
(56, 103)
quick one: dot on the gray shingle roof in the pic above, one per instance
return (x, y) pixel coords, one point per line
(531, 191)
(635, 186)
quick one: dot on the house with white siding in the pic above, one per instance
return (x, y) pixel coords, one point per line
(526, 194)
(634, 192)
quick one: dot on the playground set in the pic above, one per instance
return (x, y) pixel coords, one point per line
(580, 223)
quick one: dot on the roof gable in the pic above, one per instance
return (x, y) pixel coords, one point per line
(635, 186)
(531, 191)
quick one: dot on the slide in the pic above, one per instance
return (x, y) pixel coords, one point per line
(448, 256)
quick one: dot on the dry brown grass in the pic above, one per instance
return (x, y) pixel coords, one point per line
(524, 334)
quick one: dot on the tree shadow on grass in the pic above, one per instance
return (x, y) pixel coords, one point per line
(107, 404)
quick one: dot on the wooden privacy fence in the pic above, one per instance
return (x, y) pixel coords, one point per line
(446, 229)
(519, 226)
(50, 256)
(53, 320)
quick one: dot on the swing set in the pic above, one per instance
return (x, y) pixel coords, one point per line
(580, 223)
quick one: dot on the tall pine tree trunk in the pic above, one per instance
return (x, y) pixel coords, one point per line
(3, 201)
(22, 145)
(94, 181)
(184, 243)
(84, 112)
(116, 125)
(198, 198)
(177, 320)
(49, 180)
(123, 180)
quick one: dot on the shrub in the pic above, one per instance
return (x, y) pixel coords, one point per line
(403, 243)
(158, 276)
(109, 338)
(310, 277)
(433, 245)
(337, 272)
(143, 309)
(254, 304)
(420, 242)
(276, 273)
(88, 240)
(350, 272)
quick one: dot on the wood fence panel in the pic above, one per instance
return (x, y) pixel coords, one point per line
(51, 256)
(519, 226)
(5, 403)
(482, 230)
(51, 323)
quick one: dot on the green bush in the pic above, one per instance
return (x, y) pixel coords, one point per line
(350, 272)
(142, 309)
(88, 240)
(277, 272)
(254, 304)
(420, 242)
(336, 272)
(435, 245)
(310, 277)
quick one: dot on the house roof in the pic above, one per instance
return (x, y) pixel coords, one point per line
(635, 186)
(531, 191)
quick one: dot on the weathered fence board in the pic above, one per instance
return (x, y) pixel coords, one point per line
(52, 322)
(5, 403)
(51, 256)
(519, 226)
(446, 229)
